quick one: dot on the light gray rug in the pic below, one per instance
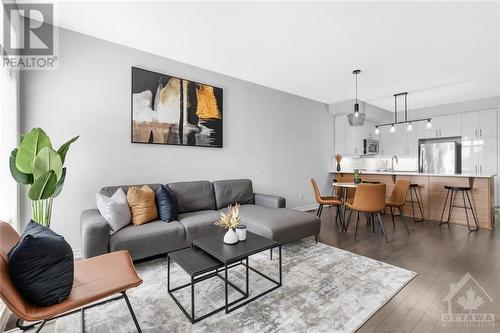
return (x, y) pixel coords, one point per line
(325, 289)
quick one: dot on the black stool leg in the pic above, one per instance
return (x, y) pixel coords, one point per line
(450, 194)
(473, 213)
(419, 207)
(412, 202)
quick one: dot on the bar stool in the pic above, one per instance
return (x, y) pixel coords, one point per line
(452, 192)
(414, 190)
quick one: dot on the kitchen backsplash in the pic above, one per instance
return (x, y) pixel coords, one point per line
(377, 163)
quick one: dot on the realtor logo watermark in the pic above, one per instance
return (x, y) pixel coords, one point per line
(469, 305)
(29, 37)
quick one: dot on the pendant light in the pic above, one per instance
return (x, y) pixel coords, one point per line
(356, 118)
(406, 121)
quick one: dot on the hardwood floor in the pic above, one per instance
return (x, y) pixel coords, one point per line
(440, 256)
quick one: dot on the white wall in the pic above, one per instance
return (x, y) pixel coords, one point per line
(276, 139)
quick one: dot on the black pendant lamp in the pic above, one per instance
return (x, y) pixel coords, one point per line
(356, 118)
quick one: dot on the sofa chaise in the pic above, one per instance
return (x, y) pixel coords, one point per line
(199, 203)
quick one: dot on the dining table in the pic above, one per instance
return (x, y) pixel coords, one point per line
(344, 188)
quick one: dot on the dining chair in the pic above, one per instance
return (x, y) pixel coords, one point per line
(398, 200)
(327, 201)
(370, 199)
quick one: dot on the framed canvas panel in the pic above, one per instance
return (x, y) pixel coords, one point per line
(168, 110)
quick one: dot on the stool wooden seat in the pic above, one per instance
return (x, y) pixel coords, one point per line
(452, 193)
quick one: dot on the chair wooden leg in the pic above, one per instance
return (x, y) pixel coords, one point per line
(356, 225)
(316, 238)
(131, 312)
(403, 219)
(382, 227)
(270, 254)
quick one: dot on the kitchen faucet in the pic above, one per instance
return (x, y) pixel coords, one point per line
(392, 162)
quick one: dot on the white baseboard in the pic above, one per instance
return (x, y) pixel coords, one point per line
(77, 254)
(307, 207)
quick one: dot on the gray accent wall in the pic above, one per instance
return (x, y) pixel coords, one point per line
(276, 139)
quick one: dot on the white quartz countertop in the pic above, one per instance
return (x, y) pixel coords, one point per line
(415, 173)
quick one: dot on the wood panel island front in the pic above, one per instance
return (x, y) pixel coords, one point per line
(433, 194)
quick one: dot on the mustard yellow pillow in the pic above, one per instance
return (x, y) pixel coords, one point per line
(142, 204)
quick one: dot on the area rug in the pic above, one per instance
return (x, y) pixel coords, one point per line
(325, 289)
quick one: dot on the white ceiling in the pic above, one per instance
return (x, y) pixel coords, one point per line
(310, 48)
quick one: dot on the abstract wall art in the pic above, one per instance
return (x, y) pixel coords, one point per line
(173, 111)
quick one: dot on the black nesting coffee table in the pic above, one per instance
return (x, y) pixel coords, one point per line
(209, 256)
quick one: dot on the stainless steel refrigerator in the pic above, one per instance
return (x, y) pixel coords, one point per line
(440, 156)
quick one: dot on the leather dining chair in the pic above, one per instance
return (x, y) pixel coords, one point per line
(398, 200)
(95, 280)
(327, 201)
(369, 199)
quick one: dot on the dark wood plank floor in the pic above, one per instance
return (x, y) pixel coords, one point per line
(440, 256)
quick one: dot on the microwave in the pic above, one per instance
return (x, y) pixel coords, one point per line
(370, 147)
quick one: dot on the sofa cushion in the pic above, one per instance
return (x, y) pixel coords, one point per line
(41, 266)
(193, 196)
(149, 239)
(199, 224)
(233, 191)
(283, 225)
(166, 202)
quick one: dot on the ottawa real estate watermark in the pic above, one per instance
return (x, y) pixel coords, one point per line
(468, 305)
(29, 39)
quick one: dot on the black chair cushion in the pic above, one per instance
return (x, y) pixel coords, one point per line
(167, 204)
(41, 266)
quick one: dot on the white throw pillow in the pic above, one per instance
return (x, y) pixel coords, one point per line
(115, 210)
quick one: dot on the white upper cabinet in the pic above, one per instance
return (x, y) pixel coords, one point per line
(447, 125)
(387, 141)
(487, 123)
(479, 142)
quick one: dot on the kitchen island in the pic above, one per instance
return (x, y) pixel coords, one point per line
(433, 194)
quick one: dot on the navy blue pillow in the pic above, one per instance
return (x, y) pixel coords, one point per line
(167, 205)
(41, 266)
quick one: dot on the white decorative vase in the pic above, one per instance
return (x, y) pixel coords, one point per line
(230, 237)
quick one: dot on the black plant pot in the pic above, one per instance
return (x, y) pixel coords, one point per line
(357, 181)
(338, 166)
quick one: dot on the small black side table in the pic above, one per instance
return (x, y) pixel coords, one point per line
(237, 254)
(195, 262)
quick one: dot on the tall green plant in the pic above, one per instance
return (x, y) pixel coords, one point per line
(36, 164)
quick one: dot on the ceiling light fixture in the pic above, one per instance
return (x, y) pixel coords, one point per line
(429, 124)
(356, 118)
(377, 130)
(409, 123)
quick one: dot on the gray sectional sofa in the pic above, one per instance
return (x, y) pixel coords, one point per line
(200, 203)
